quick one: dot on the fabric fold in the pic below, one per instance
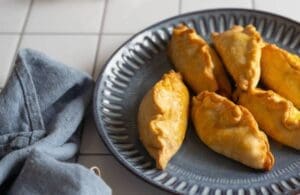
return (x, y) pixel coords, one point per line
(41, 108)
(71, 178)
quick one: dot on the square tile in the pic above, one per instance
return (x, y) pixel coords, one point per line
(130, 16)
(66, 16)
(91, 143)
(13, 14)
(108, 44)
(74, 50)
(118, 177)
(288, 8)
(192, 5)
(8, 46)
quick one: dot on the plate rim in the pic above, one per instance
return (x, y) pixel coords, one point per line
(101, 133)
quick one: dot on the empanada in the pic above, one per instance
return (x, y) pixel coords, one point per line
(198, 63)
(230, 130)
(281, 72)
(240, 50)
(162, 118)
(276, 115)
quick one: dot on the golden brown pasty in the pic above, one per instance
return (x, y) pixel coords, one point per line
(240, 50)
(275, 115)
(281, 72)
(162, 118)
(198, 63)
(230, 130)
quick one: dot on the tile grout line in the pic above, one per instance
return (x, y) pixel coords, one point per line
(253, 4)
(25, 24)
(180, 7)
(99, 37)
(62, 33)
(21, 36)
(112, 33)
(10, 33)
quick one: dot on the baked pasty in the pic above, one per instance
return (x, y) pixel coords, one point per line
(240, 50)
(281, 72)
(276, 115)
(162, 118)
(230, 130)
(198, 63)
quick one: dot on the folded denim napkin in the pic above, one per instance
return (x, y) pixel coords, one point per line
(41, 108)
(65, 178)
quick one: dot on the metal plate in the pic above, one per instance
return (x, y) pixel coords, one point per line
(139, 63)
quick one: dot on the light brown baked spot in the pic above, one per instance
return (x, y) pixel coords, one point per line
(276, 115)
(240, 50)
(162, 118)
(198, 63)
(281, 72)
(230, 130)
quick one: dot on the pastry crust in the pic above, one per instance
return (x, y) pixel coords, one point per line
(162, 118)
(281, 72)
(230, 130)
(197, 62)
(276, 115)
(240, 50)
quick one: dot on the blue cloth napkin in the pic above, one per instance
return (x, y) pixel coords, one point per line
(41, 108)
(54, 177)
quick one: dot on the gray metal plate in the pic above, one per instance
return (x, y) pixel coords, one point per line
(195, 169)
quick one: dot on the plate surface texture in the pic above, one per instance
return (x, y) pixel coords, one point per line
(195, 169)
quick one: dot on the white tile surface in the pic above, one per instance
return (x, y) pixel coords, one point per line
(123, 17)
(74, 50)
(118, 178)
(288, 8)
(193, 5)
(8, 44)
(12, 14)
(91, 143)
(109, 43)
(66, 16)
(130, 16)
